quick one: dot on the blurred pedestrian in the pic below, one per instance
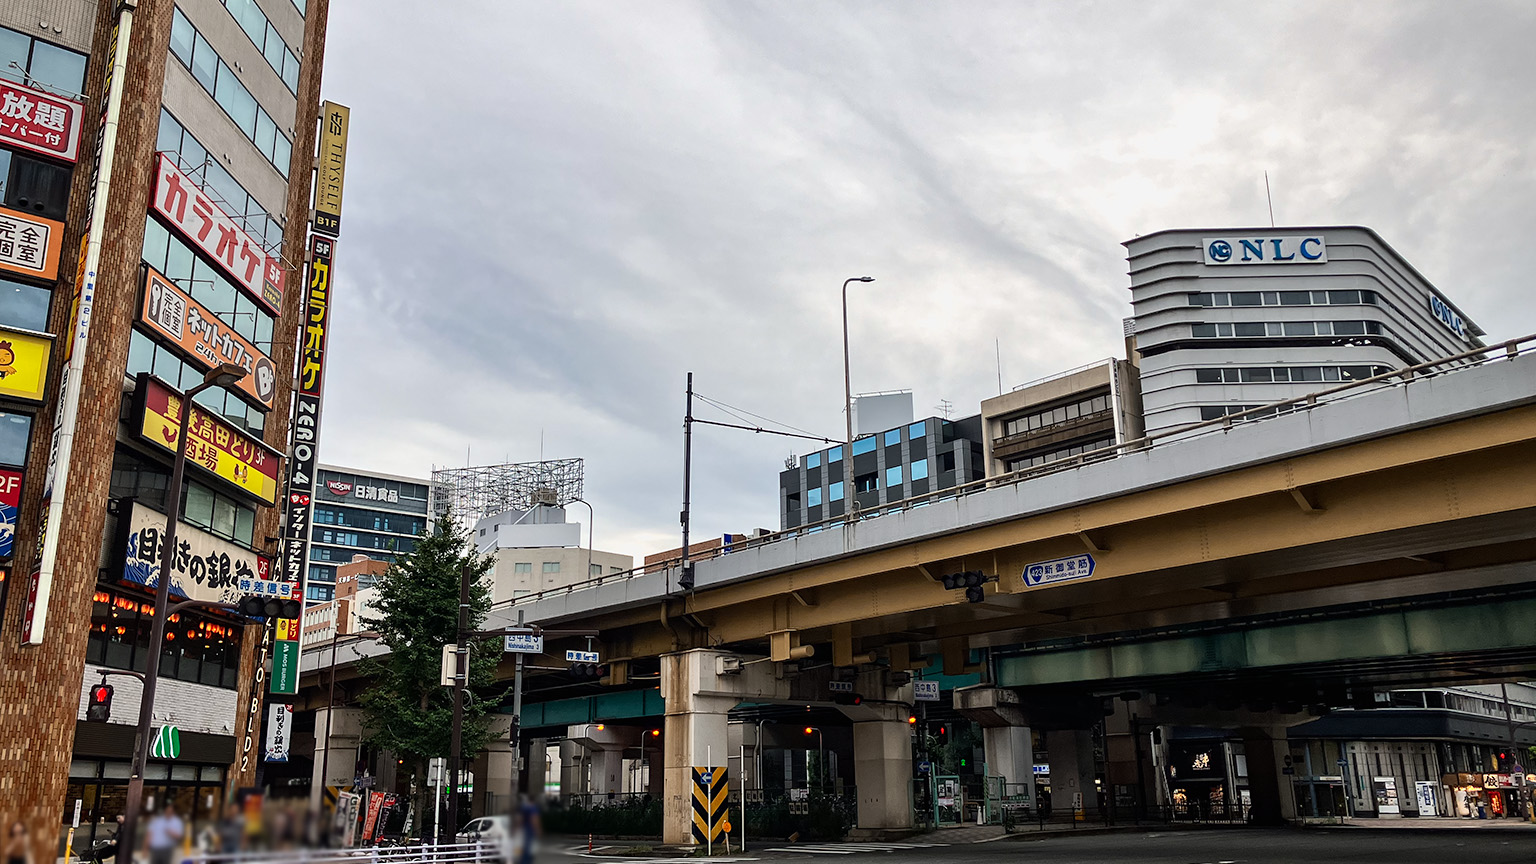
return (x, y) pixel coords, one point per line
(528, 828)
(232, 831)
(163, 835)
(18, 846)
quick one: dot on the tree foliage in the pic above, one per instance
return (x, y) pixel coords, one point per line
(407, 710)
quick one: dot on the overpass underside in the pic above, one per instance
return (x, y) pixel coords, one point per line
(1450, 508)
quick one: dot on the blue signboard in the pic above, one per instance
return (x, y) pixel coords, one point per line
(1058, 570)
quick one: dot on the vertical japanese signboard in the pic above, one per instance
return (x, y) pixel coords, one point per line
(335, 122)
(306, 434)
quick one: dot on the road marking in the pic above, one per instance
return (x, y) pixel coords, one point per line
(851, 848)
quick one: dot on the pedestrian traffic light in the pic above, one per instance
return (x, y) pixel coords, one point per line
(847, 699)
(100, 709)
(259, 606)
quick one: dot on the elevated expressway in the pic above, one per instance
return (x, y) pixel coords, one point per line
(1382, 535)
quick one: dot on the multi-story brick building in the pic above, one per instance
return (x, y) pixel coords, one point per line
(199, 184)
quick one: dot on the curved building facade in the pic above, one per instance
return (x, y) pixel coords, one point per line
(1231, 319)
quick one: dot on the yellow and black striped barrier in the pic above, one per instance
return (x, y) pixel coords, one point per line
(711, 789)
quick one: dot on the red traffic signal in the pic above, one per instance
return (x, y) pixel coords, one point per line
(847, 699)
(100, 708)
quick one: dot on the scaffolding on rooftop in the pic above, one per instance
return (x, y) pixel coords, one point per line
(474, 493)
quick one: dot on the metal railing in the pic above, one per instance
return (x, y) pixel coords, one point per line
(1501, 351)
(427, 853)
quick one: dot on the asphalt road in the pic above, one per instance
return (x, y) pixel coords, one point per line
(1233, 846)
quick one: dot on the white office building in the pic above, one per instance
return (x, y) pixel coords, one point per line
(1231, 319)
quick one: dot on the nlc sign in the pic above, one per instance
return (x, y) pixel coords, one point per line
(1290, 249)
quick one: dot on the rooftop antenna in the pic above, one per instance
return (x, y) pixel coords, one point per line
(1271, 200)
(945, 407)
(998, 343)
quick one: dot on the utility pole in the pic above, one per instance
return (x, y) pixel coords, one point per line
(685, 578)
(456, 736)
(516, 732)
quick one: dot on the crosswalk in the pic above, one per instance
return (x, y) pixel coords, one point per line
(851, 848)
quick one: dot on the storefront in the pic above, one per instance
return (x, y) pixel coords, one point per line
(98, 778)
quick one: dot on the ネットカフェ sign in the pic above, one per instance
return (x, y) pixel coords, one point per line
(200, 335)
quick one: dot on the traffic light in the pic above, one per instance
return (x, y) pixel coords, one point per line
(587, 671)
(258, 606)
(970, 580)
(685, 579)
(100, 709)
(847, 699)
(911, 719)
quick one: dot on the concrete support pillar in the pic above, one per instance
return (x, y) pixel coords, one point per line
(1272, 790)
(1071, 759)
(573, 775)
(493, 772)
(1010, 752)
(882, 767)
(340, 762)
(607, 772)
(535, 771)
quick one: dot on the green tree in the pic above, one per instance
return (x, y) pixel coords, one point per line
(407, 710)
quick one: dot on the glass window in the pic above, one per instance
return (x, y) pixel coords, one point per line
(58, 68)
(1245, 298)
(182, 37)
(1348, 328)
(14, 48)
(920, 469)
(1202, 331)
(893, 476)
(1295, 298)
(1307, 373)
(237, 102)
(551, 566)
(835, 491)
(205, 62)
(892, 437)
(24, 306)
(1251, 376)
(199, 509)
(1248, 329)
(1208, 376)
(864, 445)
(1299, 328)
(1344, 298)
(14, 432)
(1199, 299)
(813, 460)
(866, 482)
(835, 454)
(813, 497)
(917, 430)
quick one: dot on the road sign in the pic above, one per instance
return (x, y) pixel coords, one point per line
(925, 691)
(581, 656)
(1058, 570)
(166, 744)
(525, 643)
(840, 686)
(924, 766)
(437, 770)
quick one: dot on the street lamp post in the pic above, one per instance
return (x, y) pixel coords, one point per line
(849, 501)
(821, 758)
(223, 375)
(591, 518)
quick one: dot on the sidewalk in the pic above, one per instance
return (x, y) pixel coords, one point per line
(1432, 824)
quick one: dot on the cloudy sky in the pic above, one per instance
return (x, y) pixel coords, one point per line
(554, 210)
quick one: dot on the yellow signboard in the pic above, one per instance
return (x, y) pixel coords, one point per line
(214, 446)
(335, 121)
(24, 364)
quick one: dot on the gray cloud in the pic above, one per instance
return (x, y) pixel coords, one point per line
(556, 210)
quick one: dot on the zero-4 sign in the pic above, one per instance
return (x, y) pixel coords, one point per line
(581, 656)
(525, 643)
(1058, 570)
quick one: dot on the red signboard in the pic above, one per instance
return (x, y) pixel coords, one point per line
(40, 122)
(244, 462)
(339, 487)
(195, 217)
